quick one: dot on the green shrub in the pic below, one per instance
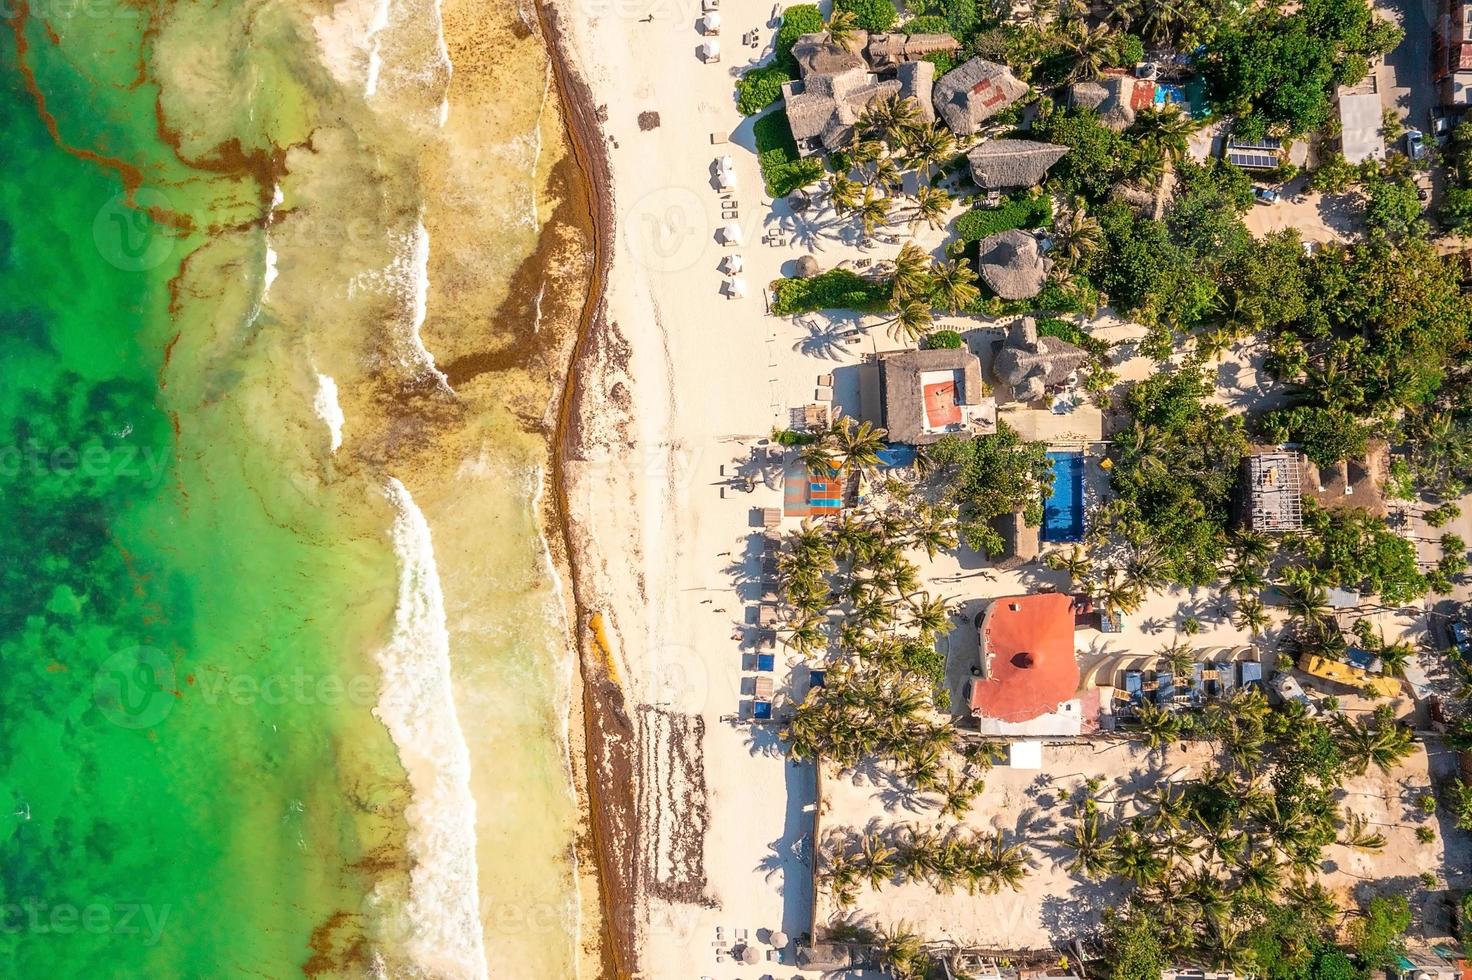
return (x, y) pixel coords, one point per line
(836, 289)
(1073, 334)
(942, 340)
(942, 62)
(927, 24)
(1128, 50)
(805, 18)
(758, 89)
(874, 16)
(791, 437)
(1019, 211)
(782, 169)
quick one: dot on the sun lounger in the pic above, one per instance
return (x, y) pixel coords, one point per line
(816, 678)
(766, 614)
(766, 661)
(761, 710)
(1134, 685)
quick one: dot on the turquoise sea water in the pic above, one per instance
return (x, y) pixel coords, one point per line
(191, 779)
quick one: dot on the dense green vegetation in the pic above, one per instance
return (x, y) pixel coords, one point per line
(797, 20)
(782, 169)
(1276, 73)
(874, 16)
(989, 476)
(1021, 210)
(836, 289)
(759, 88)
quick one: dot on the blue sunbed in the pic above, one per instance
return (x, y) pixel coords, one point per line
(816, 678)
(761, 710)
(766, 661)
(1134, 685)
(1165, 690)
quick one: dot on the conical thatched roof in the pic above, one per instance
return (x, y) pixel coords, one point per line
(1011, 264)
(1005, 164)
(807, 267)
(1029, 365)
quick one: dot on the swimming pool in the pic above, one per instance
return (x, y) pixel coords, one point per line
(896, 456)
(1063, 507)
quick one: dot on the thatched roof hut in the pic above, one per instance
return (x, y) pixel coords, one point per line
(1115, 97)
(1012, 265)
(807, 267)
(917, 83)
(998, 165)
(973, 92)
(1029, 365)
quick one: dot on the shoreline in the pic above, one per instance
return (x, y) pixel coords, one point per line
(598, 702)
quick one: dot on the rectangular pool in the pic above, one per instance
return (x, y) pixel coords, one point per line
(1063, 507)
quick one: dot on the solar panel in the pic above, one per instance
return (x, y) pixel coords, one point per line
(1262, 144)
(1252, 160)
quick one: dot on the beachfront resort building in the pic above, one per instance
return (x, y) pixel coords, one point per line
(1004, 165)
(1030, 366)
(921, 395)
(971, 93)
(838, 81)
(826, 101)
(1116, 97)
(1029, 673)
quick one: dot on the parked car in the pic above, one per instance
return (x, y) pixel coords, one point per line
(1461, 639)
(1441, 128)
(1415, 144)
(1265, 195)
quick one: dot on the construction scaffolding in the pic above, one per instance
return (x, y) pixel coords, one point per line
(1275, 491)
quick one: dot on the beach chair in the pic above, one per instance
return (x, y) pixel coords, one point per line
(816, 678)
(766, 662)
(761, 710)
(1251, 673)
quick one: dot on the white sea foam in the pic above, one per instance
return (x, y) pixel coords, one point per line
(375, 60)
(417, 706)
(407, 280)
(328, 408)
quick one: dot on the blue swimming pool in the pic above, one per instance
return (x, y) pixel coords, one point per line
(896, 456)
(1063, 507)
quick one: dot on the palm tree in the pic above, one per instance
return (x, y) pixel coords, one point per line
(932, 205)
(928, 145)
(929, 616)
(957, 792)
(911, 272)
(1171, 808)
(1380, 741)
(1357, 833)
(912, 320)
(1076, 234)
(1136, 859)
(1158, 726)
(1093, 850)
(1313, 900)
(1179, 656)
(843, 194)
(888, 117)
(1076, 562)
(954, 284)
(933, 528)
(902, 953)
(857, 446)
(1088, 49)
(805, 634)
(1251, 615)
(1260, 876)
(842, 27)
(1166, 131)
(877, 860)
(873, 211)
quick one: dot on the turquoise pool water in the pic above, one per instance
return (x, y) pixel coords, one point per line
(1063, 507)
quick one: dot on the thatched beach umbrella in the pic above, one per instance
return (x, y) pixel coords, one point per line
(749, 955)
(807, 267)
(779, 939)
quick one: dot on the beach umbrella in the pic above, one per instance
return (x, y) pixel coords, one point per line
(779, 939)
(731, 264)
(731, 233)
(749, 955)
(712, 23)
(711, 51)
(738, 286)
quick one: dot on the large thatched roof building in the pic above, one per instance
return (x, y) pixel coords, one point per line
(917, 82)
(1012, 265)
(889, 50)
(1116, 98)
(922, 395)
(999, 165)
(835, 87)
(972, 93)
(1030, 365)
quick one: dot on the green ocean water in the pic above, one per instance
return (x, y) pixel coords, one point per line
(192, 783)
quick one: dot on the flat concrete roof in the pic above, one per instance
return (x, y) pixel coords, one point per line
(1360, 116)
